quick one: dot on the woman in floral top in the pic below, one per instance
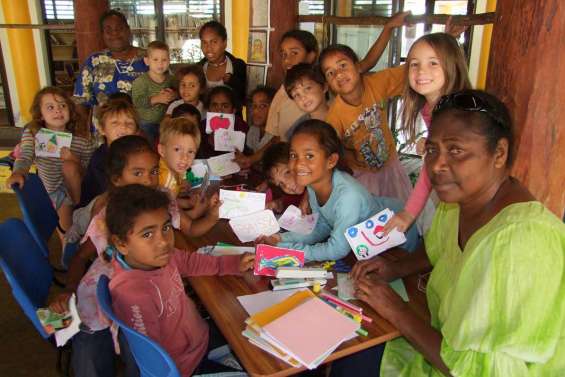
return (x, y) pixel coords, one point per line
(112, 70)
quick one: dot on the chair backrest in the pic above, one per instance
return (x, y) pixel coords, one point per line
(39, 214)
(152, 360)
(26, 268)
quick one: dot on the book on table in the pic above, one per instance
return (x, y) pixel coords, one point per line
(300, 330)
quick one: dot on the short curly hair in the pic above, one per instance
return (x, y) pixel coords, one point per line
(127, 203)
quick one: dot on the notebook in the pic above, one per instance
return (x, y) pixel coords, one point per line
(310, 331)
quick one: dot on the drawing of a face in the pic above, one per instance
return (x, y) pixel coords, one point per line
(373, 232)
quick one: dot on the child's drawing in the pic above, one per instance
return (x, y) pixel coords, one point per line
(218, 121)
(48, 143)
(367, 238)
(223, 164)
(240, 203)
(293, 220)
(269, 258)
(228, 141)
(250, 227)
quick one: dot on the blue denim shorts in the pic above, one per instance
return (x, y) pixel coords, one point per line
(60, 197)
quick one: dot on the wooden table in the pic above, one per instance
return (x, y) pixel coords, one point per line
(219, 296)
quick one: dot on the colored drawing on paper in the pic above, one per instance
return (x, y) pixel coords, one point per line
(269, 258)
(249, 227)
(293, 220)
(48, 143)
(367, 238)
(218, 121)
(228, 141)
(240, 203)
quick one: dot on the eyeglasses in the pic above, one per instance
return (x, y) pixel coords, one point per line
(468, 102)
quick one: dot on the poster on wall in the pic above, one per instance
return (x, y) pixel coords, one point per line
(257, 47)
(259, 13)
(255, 76)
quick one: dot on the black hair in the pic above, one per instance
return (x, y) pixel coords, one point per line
(120, 96)
(267, 90)
(119, 152)
(307, 39)
(222, 89)
(338, 48)
(128, 202)
(494, 122)
(216, 27)
(300, 72)
(275, 154)
(186, 108)
(112, 13)
(327, 138)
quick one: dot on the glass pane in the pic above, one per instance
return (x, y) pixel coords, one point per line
(371, 8)
(360, 39)
(141, 19)
(410, 34)
(59, 10)
(183, 19)
(311, 7)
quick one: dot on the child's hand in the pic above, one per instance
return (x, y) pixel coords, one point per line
(454, 30)
(421, 146)
(401, 221)
(242, 160)
(60, 303)
(275, 205)
(67, 155)
(397, 20)
(17, 179)
(246, 262)
(269, 240)
(226, 78)
(262, 187)
(214, 204)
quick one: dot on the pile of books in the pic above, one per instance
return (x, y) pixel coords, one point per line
(302, 330)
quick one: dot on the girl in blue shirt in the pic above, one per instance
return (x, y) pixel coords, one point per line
(316, 158)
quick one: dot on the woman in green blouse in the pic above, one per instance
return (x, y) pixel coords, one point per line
(496, 292)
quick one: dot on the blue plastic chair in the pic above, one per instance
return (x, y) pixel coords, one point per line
(152, 360)
(30, 275)
(39, 215)
(26, 268)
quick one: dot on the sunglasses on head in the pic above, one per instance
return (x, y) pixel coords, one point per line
(468, 102)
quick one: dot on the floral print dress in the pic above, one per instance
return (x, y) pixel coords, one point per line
(101, 75)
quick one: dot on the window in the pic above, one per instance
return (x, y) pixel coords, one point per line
(56, 10)
(177, 23)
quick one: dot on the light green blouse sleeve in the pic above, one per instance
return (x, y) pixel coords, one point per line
(505, 315)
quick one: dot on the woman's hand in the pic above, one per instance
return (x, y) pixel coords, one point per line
(226, 78)
(380, 296)
(269, 240)
(378, 266)
(246, 262)
(401, 221)
(17, 179)
(60, 303)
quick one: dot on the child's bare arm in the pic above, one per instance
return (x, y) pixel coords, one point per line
(77, 269)
(380, 44)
